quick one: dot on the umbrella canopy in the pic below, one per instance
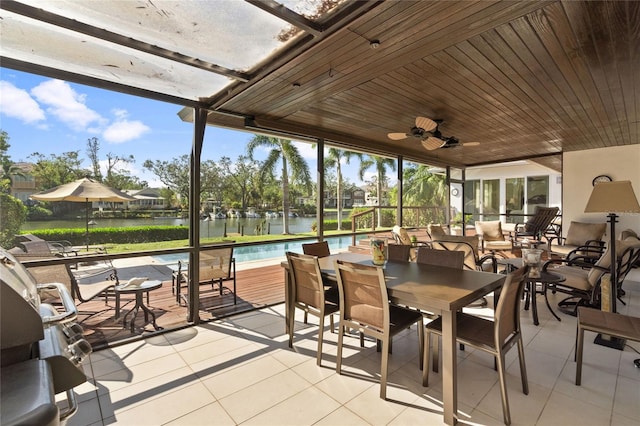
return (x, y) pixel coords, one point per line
(83, 190)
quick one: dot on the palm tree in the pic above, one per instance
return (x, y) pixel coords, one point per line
(333, 159)
(282, 150)
(422, 187)
(381, 165)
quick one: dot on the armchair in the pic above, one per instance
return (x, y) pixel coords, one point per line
(491, 236)
(584, 285)
(583, 240)
(468, 245)
(401, 236)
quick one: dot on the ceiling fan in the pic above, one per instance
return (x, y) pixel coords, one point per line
(427, 131)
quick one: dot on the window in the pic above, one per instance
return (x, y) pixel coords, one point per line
(514, 196)
(537, 192)
(491, 199)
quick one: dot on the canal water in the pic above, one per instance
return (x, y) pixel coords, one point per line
(208, 228)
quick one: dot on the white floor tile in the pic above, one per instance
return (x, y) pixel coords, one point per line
(241, 370)
(304, 408)
(263, 395)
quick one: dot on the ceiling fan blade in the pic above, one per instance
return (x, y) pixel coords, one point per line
(426, 123)
(397, 136)
(432, 143)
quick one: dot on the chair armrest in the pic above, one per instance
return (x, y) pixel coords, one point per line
(111, 271)
(587, 253)
(561, 240)
(490, 256)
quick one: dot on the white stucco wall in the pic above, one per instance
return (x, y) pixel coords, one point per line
(579, 169)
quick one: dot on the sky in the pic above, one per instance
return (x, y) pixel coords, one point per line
(50, 116)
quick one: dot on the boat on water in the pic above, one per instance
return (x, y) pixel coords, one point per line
(234, 214)
(271, 215)
(217, 215)
(252, 213)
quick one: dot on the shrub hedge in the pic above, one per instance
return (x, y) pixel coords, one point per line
(332, 225)
(129, 235)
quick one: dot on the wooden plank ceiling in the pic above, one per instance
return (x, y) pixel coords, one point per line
(525, 79)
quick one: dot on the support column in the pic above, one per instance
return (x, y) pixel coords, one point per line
(320, 189)
(200, 122)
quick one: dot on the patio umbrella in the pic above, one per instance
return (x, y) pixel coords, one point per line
(82, 190)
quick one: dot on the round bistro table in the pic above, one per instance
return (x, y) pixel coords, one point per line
(138, 291)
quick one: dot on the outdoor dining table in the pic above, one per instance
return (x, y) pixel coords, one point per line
(441, 291)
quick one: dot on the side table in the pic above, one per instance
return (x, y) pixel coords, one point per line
(531, 289)
(531, 286)
(138, 291)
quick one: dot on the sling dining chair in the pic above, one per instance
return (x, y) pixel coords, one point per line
(364, 306)
(308, 294)
(495, 337)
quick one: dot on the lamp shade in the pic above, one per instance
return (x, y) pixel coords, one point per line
(613, 197)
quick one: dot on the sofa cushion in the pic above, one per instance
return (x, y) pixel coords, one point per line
(579, 233)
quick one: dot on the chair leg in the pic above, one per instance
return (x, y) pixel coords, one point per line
(579, 347)
(426, 359)
(341, 329)
(421, 344)
(523, 367)
(503, 389)
(291, 326)
(320, 334)
(384, 367)
(435, 354)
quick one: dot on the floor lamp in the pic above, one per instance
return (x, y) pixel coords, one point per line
(611, 198)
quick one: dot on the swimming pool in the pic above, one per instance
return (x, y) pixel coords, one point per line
(266, 251)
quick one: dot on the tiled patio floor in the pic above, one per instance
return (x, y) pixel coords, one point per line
(240, 371)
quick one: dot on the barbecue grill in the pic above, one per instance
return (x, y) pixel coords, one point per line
(41, 348)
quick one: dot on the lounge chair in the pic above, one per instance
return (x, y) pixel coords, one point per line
(83, 290)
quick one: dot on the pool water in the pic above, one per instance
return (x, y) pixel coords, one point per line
(265, 251)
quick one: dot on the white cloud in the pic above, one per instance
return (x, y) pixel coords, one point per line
(17, 103)
(120, 113)
(124, 130)
(66, 104)
(307, 150)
